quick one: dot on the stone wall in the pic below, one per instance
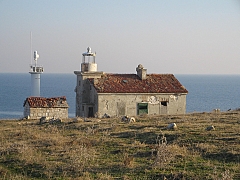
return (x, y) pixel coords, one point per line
(37, 113)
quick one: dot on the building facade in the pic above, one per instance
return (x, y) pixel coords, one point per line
(37, 107)
(99, 94)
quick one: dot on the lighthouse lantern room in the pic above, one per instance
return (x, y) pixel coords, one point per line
(88, 61)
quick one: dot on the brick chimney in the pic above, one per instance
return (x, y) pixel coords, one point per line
(141, 72)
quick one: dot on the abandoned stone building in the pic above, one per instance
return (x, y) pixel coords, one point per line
(37, 107)
(99, 94)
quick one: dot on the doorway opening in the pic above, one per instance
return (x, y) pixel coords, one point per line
(90, 112)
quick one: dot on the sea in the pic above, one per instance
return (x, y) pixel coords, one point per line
(206, 92)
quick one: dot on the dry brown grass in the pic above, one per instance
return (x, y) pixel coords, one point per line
(111, 149)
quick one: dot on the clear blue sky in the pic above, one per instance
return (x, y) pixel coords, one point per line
(165, 36)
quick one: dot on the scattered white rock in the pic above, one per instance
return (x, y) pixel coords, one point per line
(210, 128)
(106, 116)
(43, 120)
(55, 121)
(132, 119)
(125, 118)
(172, 126)
(25, 118)
(128, 119)
(216, 110)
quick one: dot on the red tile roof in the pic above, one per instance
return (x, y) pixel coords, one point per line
(41, 102)
(131, 83)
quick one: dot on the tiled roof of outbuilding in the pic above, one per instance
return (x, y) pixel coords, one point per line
(42, 102)
(131, 83)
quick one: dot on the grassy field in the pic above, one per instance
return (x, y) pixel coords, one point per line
(111, 149)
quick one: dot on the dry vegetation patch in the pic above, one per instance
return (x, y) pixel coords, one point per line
(111, 149)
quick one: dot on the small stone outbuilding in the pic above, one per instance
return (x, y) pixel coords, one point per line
(37, 107)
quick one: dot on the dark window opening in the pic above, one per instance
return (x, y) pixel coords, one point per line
(164, 103)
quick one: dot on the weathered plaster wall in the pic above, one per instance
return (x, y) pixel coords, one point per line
(126, 104)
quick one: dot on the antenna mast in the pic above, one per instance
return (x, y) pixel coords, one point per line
(31, 46)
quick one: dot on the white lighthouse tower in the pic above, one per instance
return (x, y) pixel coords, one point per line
(84, 104)
(35, 72)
